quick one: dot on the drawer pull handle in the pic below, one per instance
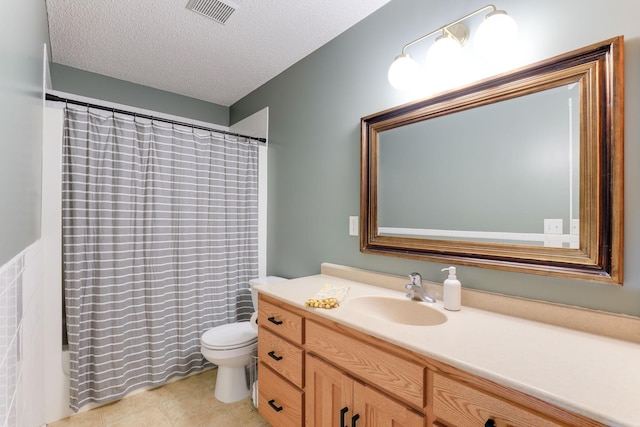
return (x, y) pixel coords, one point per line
(490, 423)
(273, 405)
(355, 418)
(274, 321)
(272, 354)
(343, 412)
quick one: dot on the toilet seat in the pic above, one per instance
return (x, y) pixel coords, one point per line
(229, 336)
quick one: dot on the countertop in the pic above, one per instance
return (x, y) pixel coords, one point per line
(595, 376)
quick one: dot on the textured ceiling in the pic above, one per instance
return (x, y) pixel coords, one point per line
(162, 44)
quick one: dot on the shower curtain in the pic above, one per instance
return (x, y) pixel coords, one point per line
(159, 243)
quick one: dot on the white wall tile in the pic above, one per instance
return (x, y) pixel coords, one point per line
(21, 330)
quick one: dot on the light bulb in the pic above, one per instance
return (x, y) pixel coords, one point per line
(444, 63)
(445, 52)
(404, 72)
(497, 35)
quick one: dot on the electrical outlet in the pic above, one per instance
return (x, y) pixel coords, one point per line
(553, 226)
(353, 226)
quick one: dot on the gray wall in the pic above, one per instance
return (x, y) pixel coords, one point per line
(316, 105)
(23, 31)
(92, 85)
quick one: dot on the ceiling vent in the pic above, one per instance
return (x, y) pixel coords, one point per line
(217, 10)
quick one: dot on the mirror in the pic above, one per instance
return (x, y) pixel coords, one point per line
(521, 172)
(525, 171)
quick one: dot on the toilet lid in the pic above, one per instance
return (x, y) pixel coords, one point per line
(232, 335)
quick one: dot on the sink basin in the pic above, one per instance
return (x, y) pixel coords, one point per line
(396, 310)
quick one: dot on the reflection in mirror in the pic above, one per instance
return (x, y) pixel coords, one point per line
(522, 172)
(511, 170)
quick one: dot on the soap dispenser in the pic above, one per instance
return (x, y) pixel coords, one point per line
(452, 291)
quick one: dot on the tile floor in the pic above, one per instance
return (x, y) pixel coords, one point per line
(185, 403)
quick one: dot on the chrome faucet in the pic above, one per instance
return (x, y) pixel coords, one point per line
(418, 293)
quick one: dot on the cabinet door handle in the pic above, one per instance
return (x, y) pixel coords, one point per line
(272, 354)
(490, 423)
(343, 412)
(273, 405)
(354, 419)
(273, 320)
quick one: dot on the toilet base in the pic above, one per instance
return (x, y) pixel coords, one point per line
(231, 384)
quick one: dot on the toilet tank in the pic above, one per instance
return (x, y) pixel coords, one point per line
(261, 281)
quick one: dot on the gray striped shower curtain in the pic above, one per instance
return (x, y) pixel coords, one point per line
(159, 243)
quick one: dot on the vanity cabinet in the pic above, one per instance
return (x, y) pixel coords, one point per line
(280, 364)
(319, 373)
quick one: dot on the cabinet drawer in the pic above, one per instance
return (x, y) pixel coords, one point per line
(281, 321)
(456, 404)
(282, 356)
(399, 377)
(279, 402)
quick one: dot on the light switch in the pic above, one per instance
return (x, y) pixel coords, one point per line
(353, 226)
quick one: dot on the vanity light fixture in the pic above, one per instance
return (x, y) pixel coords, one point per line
(495, 36)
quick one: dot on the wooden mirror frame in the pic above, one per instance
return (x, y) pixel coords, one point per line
(599, 69)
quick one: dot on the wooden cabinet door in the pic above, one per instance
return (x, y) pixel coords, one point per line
(328, 395)
(377, 410)
(334, 399)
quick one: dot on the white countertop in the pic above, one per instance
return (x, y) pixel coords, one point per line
(591, 375)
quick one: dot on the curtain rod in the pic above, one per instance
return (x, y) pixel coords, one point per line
(51, 97)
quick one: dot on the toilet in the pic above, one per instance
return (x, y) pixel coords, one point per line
(231, 347)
